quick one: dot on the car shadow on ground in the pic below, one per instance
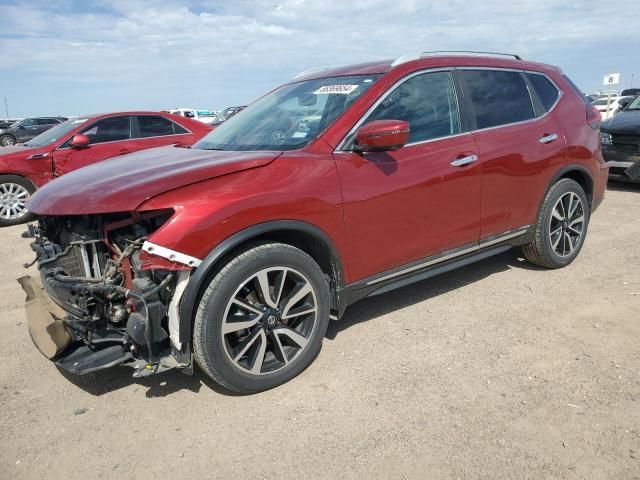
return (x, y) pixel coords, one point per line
(173, 381)
(618, 186)
(424, 290)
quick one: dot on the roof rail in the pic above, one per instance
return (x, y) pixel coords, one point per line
(408, 57)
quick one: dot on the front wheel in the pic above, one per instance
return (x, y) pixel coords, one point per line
(262, 318)
(15, 192)
(561, 226)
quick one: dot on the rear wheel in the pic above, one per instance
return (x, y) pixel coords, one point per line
(15, 192)
(262, 318)
(7, 140)
(561, 227)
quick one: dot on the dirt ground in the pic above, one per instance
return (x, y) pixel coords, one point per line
(499, 371)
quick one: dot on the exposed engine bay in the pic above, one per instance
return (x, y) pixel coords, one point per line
(113, 305)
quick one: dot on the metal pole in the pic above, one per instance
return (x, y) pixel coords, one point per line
(6, 108)
(608, 100)
(631, 86)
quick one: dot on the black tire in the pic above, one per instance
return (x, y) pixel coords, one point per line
(541, 251)
(30, 189)
(213, 350)
(7, 140)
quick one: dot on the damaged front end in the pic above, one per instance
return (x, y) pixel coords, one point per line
(102, 299)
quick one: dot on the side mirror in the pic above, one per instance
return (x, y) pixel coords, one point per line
(80, 141)
(382, 136)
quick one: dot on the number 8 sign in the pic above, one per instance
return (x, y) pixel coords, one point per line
(611, 79)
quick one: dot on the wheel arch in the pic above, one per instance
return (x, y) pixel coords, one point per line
(576, 172)
(20, 175)
(305, 236)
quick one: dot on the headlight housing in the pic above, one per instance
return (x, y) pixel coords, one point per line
(605, 138)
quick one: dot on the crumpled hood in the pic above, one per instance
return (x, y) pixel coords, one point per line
(623, 122)
(123, 183)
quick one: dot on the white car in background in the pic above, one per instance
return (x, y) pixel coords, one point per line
(614, 105)
(204, 116)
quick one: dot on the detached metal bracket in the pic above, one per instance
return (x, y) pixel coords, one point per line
(169, 254)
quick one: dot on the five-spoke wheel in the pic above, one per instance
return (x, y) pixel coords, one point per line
(269, 320)
(567, 224)
(561, 226)
(262, 318)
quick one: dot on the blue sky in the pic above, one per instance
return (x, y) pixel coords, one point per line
(71, 57)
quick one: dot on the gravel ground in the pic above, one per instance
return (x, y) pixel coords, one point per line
(499, 370)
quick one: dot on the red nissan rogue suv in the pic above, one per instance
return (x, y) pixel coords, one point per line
(341, 184)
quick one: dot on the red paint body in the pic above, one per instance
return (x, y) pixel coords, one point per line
(57, 160)
(380, 209)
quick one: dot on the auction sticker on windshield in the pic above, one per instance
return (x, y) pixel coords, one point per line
(341, 89)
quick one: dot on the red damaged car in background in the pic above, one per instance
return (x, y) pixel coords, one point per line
(79, 142)
(340, 185)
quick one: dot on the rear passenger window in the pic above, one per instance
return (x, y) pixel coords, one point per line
(427, 102)
(547, 92)
(498, 97)
(154, 126)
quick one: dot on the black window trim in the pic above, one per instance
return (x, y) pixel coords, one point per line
(465, 108)
(533, 104)
(62, 147)
(132, 118)
(135, 119)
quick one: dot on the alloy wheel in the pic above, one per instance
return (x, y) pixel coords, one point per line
(13, 201)
(269, 320)
(567, 224)
(7, 141)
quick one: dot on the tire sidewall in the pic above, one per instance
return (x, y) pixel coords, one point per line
(563, 188)
(212, 308)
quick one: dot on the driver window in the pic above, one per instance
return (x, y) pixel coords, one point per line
(29, 122)
(108, 130)
(427, 102)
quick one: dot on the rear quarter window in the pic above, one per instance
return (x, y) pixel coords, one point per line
(546, 91)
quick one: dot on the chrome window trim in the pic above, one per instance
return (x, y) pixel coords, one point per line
(454, 253)
(358, 124)
(189, 132)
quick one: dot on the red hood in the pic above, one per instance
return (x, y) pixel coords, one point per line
(123, 183)
(21, 151)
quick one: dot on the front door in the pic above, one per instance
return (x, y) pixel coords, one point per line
(401, 206)
(108, 138)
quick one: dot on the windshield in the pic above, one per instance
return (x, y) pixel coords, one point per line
(289, 117)
(635, 105)
(54, 134)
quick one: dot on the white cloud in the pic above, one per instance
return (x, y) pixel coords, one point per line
(215, 52)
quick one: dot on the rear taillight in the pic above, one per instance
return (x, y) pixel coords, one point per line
(593, 117)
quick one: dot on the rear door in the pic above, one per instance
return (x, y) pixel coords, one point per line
(518, 145)
(108, 137)
(156, 131)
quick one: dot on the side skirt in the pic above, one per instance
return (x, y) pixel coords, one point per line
(433, 265)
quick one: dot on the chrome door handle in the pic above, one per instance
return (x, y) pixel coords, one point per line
(549, 138)
(460, 162)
